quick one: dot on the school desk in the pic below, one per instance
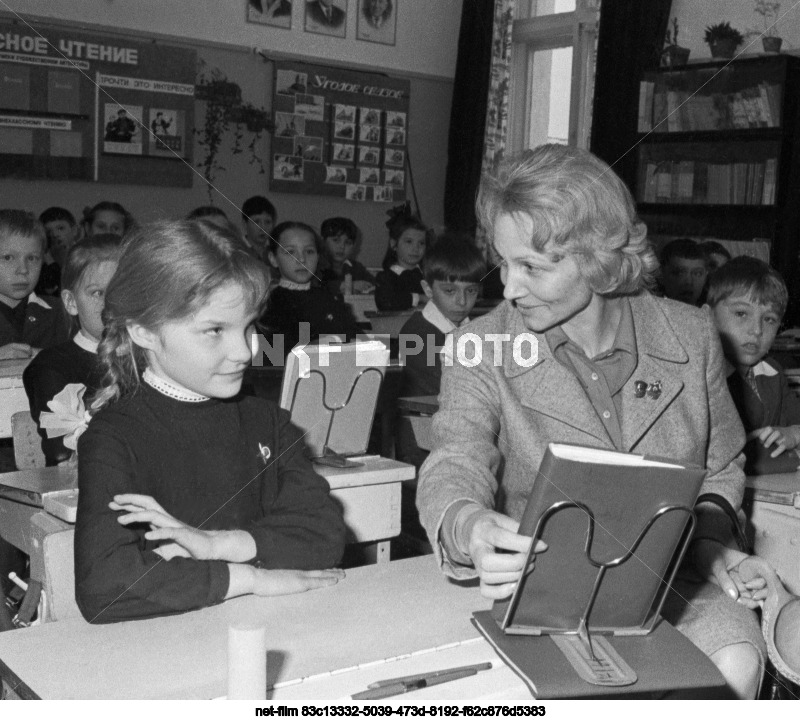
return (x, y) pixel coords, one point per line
(418, 410)
(12, 393)
(379, 622)
(369, 495)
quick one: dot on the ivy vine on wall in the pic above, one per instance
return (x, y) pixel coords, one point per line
(226, 117)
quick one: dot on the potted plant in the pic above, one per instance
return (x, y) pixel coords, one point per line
(226, 116)
(769, 12)
(723, 40)
(673, 54)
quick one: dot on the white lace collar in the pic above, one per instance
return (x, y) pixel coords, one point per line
(171, 389)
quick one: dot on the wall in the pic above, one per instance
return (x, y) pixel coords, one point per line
(694, 16)
(425, 51)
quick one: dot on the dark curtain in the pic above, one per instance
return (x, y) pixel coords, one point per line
(630, 39)
(468, 114)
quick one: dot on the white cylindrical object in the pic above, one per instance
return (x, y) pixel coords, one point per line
(247, 661)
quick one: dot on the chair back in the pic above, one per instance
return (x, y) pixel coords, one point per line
(27, 442)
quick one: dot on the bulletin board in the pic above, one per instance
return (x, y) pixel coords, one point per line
(76, 105)
(339, 132)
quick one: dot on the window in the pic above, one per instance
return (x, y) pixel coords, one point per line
(552, 73)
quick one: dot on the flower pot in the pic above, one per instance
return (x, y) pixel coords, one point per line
(674, 56)
(772, 44)
(724, 48)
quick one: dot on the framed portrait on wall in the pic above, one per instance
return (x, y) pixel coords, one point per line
(377, 21)
(326, 17)
(277, 13)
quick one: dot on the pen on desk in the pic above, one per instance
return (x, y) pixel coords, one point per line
(402, 687)
(431, 674)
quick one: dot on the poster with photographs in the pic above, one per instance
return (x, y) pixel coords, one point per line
(339, 132)
(370, 116)
(122, 132)
(369, 133)
(377, 21)
(326, 17)
(344, 153)
(167, 128)
(355, 192)
(395, 178)
(289, 82)
(369, 176)
(275, 13)
(335, 174)
(310, 106)
(394, 157)
(382, 194)
(287, 125)
(309, 149)
(367, 155)
(344, 113)
(288, 167)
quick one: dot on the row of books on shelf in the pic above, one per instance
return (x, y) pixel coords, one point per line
(692, 182)
(665, 110)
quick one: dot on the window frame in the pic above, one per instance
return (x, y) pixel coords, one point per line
(576, 29)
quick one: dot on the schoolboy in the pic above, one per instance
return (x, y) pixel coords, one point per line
(683, 270)
(62, 233)
(453, 270)
(27, 321)
(258, 219)
(61, 230)
(748, 300)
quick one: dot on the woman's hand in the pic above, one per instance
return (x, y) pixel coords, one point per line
(782, 437)
(181, 539)
(718, 563)
(497, 551)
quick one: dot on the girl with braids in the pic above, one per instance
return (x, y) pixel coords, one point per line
(399, 285)
(190, 492)
(88, 269)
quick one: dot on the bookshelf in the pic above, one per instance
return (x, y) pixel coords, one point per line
(718, 156)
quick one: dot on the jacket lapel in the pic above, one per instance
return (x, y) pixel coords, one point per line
(549, 388)
(661, 358)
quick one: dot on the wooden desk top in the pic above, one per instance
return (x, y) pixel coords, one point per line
(13, 368)
(29, 486)
(377, 612)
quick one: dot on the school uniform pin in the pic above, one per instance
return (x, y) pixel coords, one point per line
(654, 390)
(264, 453)
(639, 389)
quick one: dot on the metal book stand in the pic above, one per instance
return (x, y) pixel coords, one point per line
(332, 456)
(589, 652)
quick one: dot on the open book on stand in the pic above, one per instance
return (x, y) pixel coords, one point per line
(616, 526)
